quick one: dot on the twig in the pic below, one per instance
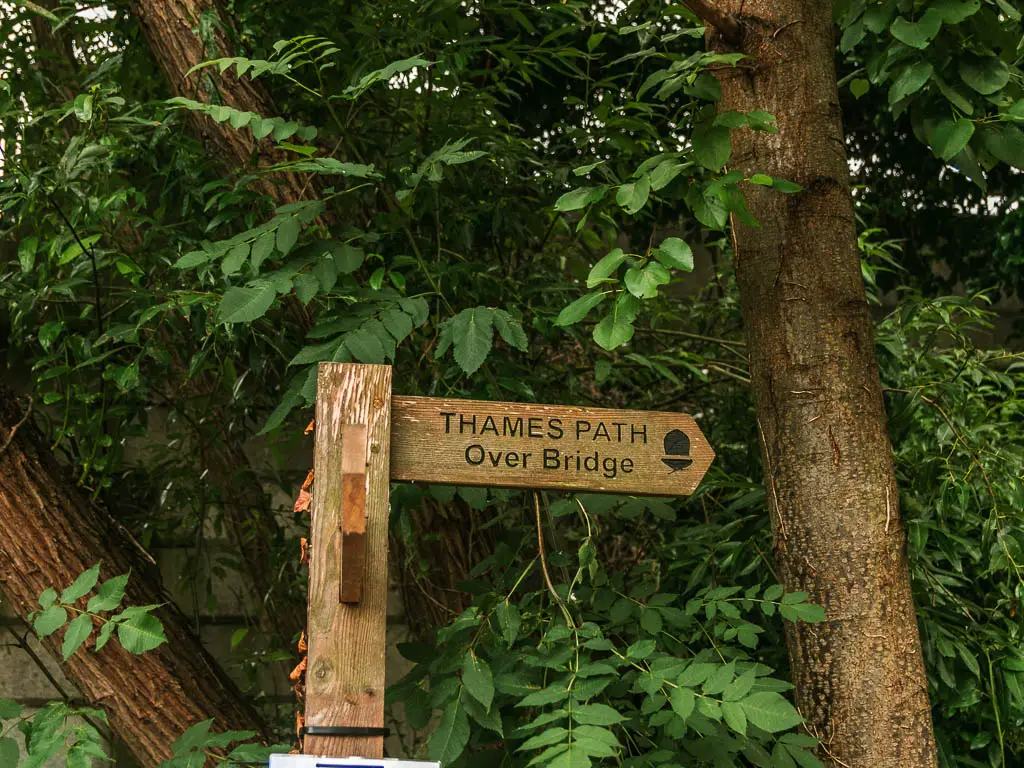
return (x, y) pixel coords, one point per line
(770, 477)
(728, 26)
(889, 510)
(785, 27)
(16, 427)
(544, 563)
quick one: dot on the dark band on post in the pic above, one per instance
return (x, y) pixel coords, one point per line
(343, 730)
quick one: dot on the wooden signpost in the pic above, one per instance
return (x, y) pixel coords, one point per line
(366, 438)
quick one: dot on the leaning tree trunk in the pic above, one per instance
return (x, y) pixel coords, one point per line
(183, 33)
(860, 680)
(49, 533)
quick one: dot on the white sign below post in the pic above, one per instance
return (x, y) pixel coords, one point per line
(313, 761)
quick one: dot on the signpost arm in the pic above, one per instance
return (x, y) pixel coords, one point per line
(345, 668)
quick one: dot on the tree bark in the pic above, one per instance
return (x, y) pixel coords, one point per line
(172, 31)
(830, 482)
(49, 533)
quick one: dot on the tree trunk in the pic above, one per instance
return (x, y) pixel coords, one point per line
(175, 31)
(860, 680)
(49, 533)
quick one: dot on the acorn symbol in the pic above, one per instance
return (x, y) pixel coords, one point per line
(677, 444)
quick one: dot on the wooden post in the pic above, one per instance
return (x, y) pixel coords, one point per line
(345, 668)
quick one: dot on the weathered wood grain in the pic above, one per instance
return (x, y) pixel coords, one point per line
(345, 672)
(522, 445)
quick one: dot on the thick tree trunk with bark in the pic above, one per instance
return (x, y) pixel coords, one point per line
(49, 533)
(860, 680)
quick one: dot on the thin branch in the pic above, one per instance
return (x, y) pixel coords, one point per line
(709, 13)
(544, 564)
(14, 430)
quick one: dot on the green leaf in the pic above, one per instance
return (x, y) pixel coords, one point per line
(583, 170)
(956, 11)
(366, 347)
(77, 248)
(192, 259)
(27, 249)
(262, 127)
(910, 80)
(347, 258)
(477, 678)
(140, 633)
(549, 695)
(633, 197)
(771, 712)
(48, 597)
(83, 107)
(596, 714)
(235, 258)
(740, 687)
(451, 736)
(613, 331)
(256, 753)
(262, 248)
(82, 585)
(674, 252)
(720, 679)
(579, 198)
(712, 146)
(490, 720)
(665, 173)
(9, 753)
(193, 738)
(580, 308)
(809, 612)
(398, 323)
(509, 621)
(472, 333)
(695, 674)
(288, 234)
(950, 137)
(641, 649)
(50, 620)
(643, 283)
(606, 267)
(852, 36)
(510, 330)
(306, 287)
(734, 717)
(1004, 142)
(917, 34)
(104, 635)
(682, 701)
(49, 333)
(573, 757)
(109, 596)
(78, 631)
(243, 305)
(10, 709)
(859, 86)
(985, 75)
(545, 738)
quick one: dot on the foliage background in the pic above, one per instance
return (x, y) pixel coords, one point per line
(467, 167)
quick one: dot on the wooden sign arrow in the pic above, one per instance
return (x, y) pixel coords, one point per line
(561, 447)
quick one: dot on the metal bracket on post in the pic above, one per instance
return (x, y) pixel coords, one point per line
(354, 459)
